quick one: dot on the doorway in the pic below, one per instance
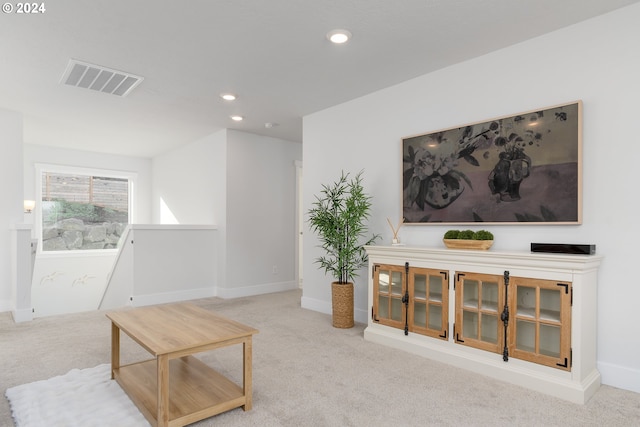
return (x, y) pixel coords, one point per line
(299, 223)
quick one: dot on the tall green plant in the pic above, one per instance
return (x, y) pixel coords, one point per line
(339, 217)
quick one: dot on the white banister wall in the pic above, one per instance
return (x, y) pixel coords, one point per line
(163, 263)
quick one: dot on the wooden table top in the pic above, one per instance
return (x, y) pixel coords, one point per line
(169, 328)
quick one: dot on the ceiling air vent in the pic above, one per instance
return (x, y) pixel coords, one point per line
(99, 78)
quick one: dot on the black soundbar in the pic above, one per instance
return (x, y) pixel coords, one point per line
(563, 248)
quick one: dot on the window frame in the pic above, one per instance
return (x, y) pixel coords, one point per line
(41, 168)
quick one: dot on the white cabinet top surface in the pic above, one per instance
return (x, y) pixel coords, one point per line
(446, 256)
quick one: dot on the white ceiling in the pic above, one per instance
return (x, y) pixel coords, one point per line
(272, 53)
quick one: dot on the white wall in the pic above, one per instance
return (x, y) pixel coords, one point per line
(161, 264)
(12, 198)
(189, 182)
(596, 61)
(189, 187)
(261, 198)
(230, 174)
(245, 185)
(64, 283)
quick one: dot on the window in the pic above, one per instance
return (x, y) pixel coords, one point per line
(82, 209)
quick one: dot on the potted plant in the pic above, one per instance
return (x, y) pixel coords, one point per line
(338, 216)
(468, 239)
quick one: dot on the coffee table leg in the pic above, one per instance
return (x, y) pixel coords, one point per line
(247, 380)
(115, 348)
(163, 391)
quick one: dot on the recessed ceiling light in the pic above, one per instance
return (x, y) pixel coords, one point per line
(270, 125)
(339, 36)
(237, 118)
(228, 96)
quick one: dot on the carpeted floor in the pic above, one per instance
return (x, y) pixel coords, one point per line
(307, 373)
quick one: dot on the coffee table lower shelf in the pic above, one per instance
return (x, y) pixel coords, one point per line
(196, 391)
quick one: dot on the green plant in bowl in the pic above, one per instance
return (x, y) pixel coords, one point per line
(468, 235)
(451, 234)
(468, 239)
(482, 235)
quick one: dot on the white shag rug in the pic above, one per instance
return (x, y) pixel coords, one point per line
(81, 397)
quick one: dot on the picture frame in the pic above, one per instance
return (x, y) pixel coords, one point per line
(520, 169)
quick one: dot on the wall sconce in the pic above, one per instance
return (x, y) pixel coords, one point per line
(29, 205)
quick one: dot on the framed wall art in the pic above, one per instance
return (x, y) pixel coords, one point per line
(524, 168)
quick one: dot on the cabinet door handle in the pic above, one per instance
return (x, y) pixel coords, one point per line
(505, 317)
(405, 298)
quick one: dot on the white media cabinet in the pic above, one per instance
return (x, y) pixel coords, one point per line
(412, 271)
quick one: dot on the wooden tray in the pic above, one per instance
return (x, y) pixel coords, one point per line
(482, 245)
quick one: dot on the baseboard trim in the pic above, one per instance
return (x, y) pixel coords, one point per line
(247, 291)
(315, 305)
(5, 305)
(619, 376)
(167, 297)
(22, 315)
(359, 315)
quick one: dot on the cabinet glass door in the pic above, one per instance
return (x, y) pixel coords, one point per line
(389, 287)
(429, 302)
(479, 300)
(541, 328)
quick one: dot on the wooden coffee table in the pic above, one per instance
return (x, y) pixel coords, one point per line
(175, 388)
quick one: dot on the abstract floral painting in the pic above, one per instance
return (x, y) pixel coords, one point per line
(524, 168)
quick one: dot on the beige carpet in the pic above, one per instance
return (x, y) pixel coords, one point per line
(306, 373)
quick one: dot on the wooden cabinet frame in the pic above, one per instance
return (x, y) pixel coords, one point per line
(538, 314)
(477, 306)
(387, 290)
(423, 297)
(433, 321)
(543, 318)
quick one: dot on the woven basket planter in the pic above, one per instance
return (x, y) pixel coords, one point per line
(342, 305)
